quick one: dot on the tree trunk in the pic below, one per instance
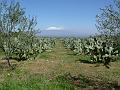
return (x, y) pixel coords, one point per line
(8, 61)
(9, 64)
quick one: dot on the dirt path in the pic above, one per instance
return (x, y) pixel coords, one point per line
(60, 53)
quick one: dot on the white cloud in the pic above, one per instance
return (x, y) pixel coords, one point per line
(54, 28)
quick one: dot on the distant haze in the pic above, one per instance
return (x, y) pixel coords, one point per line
(65, 17)
(65, 33)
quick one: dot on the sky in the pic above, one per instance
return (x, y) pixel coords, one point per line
(65, 17)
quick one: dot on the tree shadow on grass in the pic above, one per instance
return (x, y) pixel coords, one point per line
(86, 81)
(71, 54)
(84, 61)
(15, 58)
(97, 64)
(18, 59)
(4, 66)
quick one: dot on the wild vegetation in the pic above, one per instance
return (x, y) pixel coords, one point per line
(99, 49)
(31, 62)
(18, 34)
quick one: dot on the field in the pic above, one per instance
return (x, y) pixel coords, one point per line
(59, 48)
(59, 69)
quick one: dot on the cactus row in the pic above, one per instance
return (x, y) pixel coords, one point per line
(98, 48)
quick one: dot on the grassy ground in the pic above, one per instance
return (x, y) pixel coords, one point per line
(58, 70)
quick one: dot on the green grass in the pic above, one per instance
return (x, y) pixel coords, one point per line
(34, 82)
(1, 53)
(48, 72)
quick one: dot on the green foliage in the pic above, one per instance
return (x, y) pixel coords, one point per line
(47, 43)
(18, 37)
(35, 82)
(100, 49)
(78, 46)
(108, 22)
(69, 43)
(25, 46)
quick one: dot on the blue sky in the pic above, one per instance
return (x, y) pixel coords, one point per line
(65, 17)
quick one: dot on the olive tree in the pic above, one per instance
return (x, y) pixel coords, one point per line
(17, 31)
(108, 22)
